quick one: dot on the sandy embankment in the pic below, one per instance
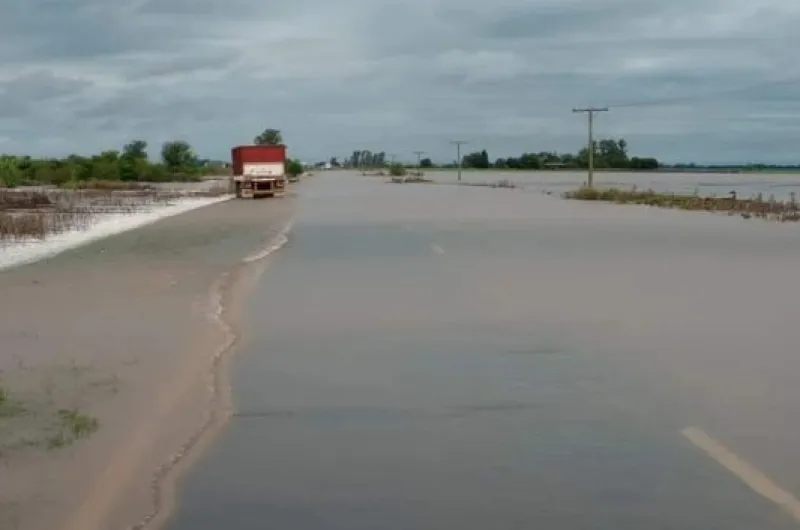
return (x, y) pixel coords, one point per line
(123, 330)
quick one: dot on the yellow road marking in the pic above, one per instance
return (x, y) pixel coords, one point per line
(747, 473)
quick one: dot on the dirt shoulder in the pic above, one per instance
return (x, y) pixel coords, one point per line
(106, 363)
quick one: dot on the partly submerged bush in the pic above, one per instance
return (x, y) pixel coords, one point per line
(397, 170)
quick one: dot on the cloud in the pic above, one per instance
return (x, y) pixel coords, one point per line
(706, 80)
(37, 91)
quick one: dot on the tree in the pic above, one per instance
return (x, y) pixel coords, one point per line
(364, 158)
(128, 164)
(112, 156)
(178, 157)
(479, 160)
(10, 173)
(133, 162)
(136, 150)
(569, 160)
(426, 162)
(269, 137)
(530, 161)
(484, 160)
(294, 168)
(105, 167)
(643, 163)
(612, 153)
(131, 169)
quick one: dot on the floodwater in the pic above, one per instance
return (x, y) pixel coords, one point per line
(779, 185)
(440, 357)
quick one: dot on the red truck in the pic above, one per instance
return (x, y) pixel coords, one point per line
(259, 170)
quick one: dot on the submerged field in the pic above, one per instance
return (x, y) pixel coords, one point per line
(37, 213)
(705, 184)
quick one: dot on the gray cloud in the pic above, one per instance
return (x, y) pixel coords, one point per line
(36, 91)
(706, 80)
(179, 64)
(563, 20)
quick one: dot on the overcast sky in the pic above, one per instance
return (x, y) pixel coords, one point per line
(338, 75)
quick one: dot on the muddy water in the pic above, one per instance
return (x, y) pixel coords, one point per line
(781, 185)
(437, 357)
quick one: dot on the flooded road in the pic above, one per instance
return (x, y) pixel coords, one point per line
(439, 357)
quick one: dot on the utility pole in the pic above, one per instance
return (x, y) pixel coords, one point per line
(419, 158)
(590, 111)
(458, 144)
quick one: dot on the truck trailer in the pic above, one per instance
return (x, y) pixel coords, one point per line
(259, 170)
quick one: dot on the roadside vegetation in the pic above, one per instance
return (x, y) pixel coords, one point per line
(294, 168)
(43, 196)
(177, 162)
(754, 207)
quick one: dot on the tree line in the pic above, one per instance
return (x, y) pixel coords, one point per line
(361, 159)
(178, 161)
(608, 154)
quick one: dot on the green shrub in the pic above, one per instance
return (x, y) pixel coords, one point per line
(397, 170)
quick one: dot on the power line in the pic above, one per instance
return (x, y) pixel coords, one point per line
(591, 111)
(419, 157)
(458, 144)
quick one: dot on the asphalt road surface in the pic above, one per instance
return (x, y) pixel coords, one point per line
(443, 357)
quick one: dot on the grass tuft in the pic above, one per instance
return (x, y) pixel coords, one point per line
(8, 406)
(72, 425)
(77, 424)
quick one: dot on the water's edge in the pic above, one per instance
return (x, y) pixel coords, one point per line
(226, 299)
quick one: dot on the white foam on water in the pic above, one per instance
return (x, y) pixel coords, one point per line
(17, 253)
(275, 244)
